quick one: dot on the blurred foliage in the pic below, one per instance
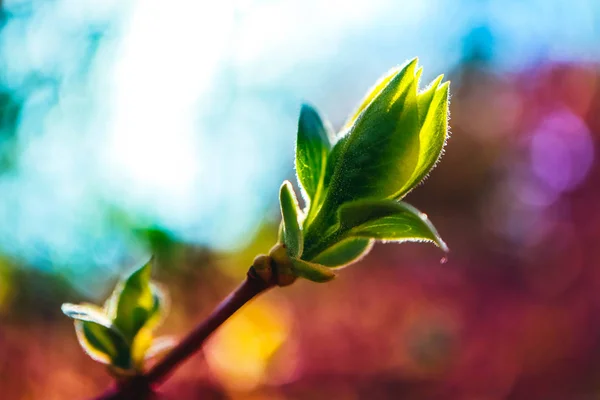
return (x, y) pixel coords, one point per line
(121, 333)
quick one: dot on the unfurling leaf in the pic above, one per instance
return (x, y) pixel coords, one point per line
(290, 211)
(371, 94)
(135, 302)
(103, 343)
(160, 306)
(86, 312)
(381, 150)
(121, 334)
(312, 271)
(344, 253)
(97, 335)
(388, 220)
(390, 144)
(144, 338)
(433, 116)
(140, 345)
(312, 149)
(386, 148)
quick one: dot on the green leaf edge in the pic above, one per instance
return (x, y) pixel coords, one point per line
(290, 212)
(312, 271)
(392, 206)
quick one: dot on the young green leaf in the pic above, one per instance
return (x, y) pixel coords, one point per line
(97, 335)
(386, 148)
(120, 333)
(291, 213)
(387, 220)
(311, 271)
(371, 94)
(110, 305)
(140, 345)
(103, 343)
(135, 302)
(332, 161)
(334, 157)
(344, 253)
(160, 308)
(433, 114)
(156, 314)
(381, 150)
(320, 220)
(426, 97)
(86, 312)
(312, 148)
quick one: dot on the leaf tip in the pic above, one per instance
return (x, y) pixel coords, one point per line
(418, 76)
(286, 185)
(439, 242)
(442, 245)
(435, 84)
(68, 309)
(411, 66)
(292, 217)
(306, 109)
(444, 87)
(142, 271)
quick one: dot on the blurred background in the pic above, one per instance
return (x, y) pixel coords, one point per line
(130, 128)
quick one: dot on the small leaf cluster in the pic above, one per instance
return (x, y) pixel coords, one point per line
(120, 334)
(352, 182)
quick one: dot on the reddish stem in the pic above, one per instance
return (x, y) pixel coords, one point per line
(251, 287)
(141, 387)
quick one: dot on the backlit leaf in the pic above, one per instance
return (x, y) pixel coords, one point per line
(290, 211)
(159, 309)
(139, 347)
(433, 114)
(312, 148)
(136, 302)
(97, 336)
(387, 220)
(86, 312)
(103, 344)
(344, 253)
(371, 94)
(381, 150)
